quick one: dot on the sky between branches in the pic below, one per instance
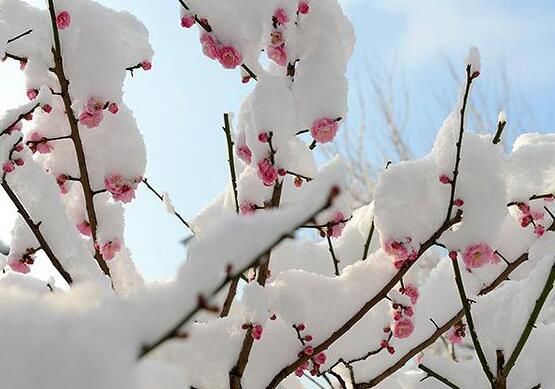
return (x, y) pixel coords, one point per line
(179, 104)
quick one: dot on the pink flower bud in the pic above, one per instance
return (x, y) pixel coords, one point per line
(308, 338)
(32, 94)
(391, 350)
(298, 182)
(19, 162)
(320, 358)
(300, 327)
(458, 203)
(113, 108)
(453, 255)
(444, 179)
(263, 137)
(8, 167)
(539, 230)
(146, 65)
(309, 350)
(63, 20)
(303, 7)
(47, 108)
(187, 21)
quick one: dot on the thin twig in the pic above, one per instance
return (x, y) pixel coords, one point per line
(531, 322)
(231, 159)
(431, 373)
(161, 198)
(368, 240)
(19, 36)
(333, 256)
(470, 321)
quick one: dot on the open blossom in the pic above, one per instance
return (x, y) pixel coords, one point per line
(323, 130)
(337, 225)
(63, 20)
(245, 154)
(280, 16)
(84, 228)
(267, 172)
(32, 94)
(121, 189)
(209, 45)
(61, 181)
(303, 7)
(229, 57)
(109, 249)
(320, 358)
(456, 334)
(247, 208)
(403, 328)
(91, 120)
(40, 144)
(411, 292)
(278, 54)
(256, 332)
(187, 21)
(478, 255)
(19, 266)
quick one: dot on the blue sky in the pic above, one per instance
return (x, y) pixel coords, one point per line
(179, 104)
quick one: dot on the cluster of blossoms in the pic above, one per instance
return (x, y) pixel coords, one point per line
(403, 327)
(477, 255)
(324, 130)
(122, 189)
(15, 160)
(276, 50)
(315, 360)
(93, 112)
(402, 251)
(109, 249)
(529, 216)
(23, 264)
(39, 143)
(227, 55)
(456, 334)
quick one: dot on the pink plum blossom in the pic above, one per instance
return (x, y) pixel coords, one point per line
(280, 16)
(323, 130)
(91, 120)
(403, 328)
(298, 182)
(113, 108)
(245, 154)
(444, 179)
(303, 7)
(247, 208)
(256, 332)
(47, 108)
(267, 172)
(278, 54)
(320, 358)
(40, 144)
(539, 230)
(19, 266)
(61, 181)
(32, 94)
(187, 21)
(146, 65)
(63, 20)
(411, 292)
(337, 225)
(277, 38)
(109, 249)
(8, 167)
(121, 189)
(209, 45)
(229, 57)
(84, 228)
(478, 255)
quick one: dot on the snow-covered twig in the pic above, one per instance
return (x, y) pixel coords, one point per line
(157, 194)
(231, 159)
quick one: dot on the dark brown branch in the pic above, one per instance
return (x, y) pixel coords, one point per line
(45, 140)
(161, 198)
(430, 373)
(35, 228)
(499, 132)
(533, 197)
(75, 136)
(19, 118)
(306, 178)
